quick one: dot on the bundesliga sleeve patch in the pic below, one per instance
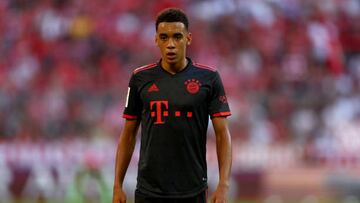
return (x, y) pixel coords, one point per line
(127, 97)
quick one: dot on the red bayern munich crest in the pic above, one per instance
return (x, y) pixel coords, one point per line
(192, 86)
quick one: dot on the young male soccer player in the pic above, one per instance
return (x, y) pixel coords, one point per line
(172, 100)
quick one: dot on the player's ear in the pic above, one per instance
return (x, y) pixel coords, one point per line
(189, 38)
(156, 40)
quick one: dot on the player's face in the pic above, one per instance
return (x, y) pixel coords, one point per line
(172, 39)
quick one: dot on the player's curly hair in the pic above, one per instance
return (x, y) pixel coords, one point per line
(172, 15)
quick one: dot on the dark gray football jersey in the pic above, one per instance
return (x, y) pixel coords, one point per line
(174, 111)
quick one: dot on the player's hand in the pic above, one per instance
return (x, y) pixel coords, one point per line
(119, 195)
(220, 194)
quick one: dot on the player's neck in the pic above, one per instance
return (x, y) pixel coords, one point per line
(174, 68)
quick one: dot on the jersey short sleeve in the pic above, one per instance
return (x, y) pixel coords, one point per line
(218, 105)
(133, 104)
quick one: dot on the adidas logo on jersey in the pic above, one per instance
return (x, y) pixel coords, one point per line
(153, 88)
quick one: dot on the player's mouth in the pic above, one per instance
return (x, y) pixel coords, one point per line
(171, 55)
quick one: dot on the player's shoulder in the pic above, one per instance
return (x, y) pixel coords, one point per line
(144, 68)
(204, 67)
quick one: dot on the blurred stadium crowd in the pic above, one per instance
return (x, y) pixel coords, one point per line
(291, 68)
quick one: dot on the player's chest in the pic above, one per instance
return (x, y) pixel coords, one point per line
(177, 92)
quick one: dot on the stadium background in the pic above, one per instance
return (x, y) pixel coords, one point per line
(291, 69)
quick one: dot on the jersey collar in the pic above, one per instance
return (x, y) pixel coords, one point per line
(189, 64)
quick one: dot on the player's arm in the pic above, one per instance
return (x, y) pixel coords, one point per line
(224, 155)
(124, 153)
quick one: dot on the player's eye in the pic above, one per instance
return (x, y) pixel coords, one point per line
(178, 36)
(163, 37)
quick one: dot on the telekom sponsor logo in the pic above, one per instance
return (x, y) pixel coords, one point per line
(160, 110)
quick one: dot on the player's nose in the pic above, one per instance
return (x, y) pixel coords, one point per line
(171, 44)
